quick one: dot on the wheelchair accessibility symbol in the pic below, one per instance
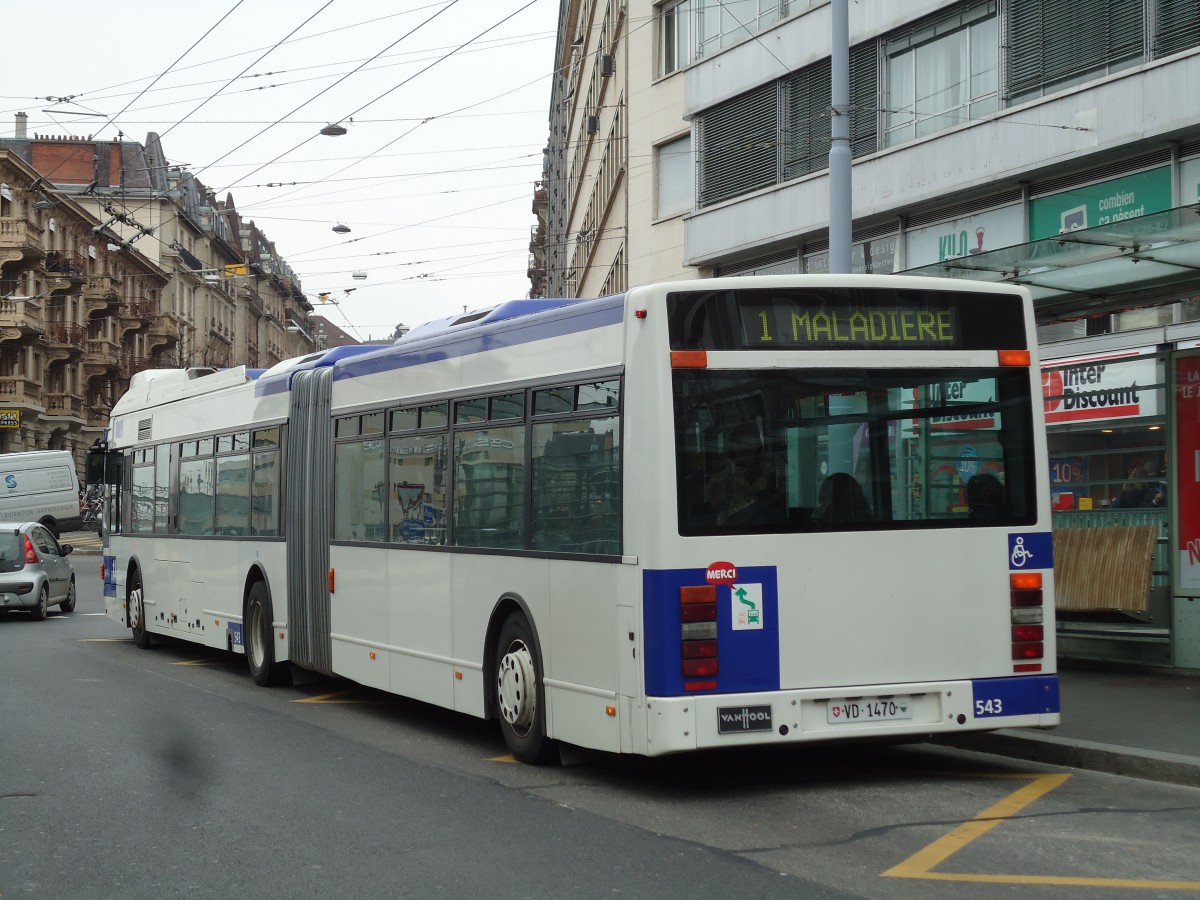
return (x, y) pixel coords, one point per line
(1032, 550)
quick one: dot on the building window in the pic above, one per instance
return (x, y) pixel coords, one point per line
(941, 72)
(675, 181)
(674, 28)
(692, 29)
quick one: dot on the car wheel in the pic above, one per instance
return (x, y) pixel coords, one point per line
(520, 695)
(43, 604)
(259, 632)
(68, 605)
(137, 612)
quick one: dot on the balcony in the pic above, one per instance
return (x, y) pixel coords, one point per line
(136, 315)
(101, 357)
(65, 270)
(131, 365)
(67, 405)
(220, 332)
(101, 296)
(163, 335)
(67, 335)
(19, 234)
(20, 390)
(21, 320)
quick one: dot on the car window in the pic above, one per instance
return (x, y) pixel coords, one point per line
(44, 541)
(12, 554)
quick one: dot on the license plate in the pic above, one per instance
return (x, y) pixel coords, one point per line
(868, 709)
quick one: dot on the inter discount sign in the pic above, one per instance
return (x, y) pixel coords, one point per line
(1114, 386)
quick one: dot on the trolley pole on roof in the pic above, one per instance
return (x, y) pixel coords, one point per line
(841, 214)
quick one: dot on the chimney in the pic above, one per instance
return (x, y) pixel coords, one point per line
(22, 123)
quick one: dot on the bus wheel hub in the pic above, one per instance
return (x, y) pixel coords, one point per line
(516, 689)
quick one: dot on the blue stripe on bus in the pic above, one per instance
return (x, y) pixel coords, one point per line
(1021, 696)
(747, 659)
(583, 316)
(110, 576)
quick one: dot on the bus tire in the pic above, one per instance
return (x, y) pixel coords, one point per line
(260, 643)
(520, 694)
(137, 612)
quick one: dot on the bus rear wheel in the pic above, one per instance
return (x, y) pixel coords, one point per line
(137, 612)
(259, 631)
(520, 695)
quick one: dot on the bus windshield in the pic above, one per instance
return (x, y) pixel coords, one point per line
(837, 450)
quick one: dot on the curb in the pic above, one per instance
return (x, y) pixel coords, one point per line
(1152, 765)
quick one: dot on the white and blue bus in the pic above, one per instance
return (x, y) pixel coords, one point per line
(699, 514)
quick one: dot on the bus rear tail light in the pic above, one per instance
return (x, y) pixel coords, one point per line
(698, 630)
(1028, 633)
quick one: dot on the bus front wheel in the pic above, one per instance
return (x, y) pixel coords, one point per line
(520, 695)
(260, 644)
(137, 612)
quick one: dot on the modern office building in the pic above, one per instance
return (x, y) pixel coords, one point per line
(1050, 143)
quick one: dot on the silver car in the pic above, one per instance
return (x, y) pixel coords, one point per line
(35, 573)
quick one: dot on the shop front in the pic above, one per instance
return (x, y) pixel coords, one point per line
(1122, 407)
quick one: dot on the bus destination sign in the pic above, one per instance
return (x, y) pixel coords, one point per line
(796, 326)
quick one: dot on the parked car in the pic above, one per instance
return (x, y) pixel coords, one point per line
(35, 573)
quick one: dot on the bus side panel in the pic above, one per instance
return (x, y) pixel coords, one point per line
(361, 638)
(583, 680)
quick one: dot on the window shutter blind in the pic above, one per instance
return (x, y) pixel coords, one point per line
(807, 98)
(1055, 41)
(1178, 26)
(737, 146)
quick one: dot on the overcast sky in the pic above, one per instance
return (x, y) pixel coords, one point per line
(434, 177)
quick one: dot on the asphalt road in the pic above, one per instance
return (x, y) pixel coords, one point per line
(127, 773)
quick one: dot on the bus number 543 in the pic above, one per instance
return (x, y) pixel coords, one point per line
(991, 707)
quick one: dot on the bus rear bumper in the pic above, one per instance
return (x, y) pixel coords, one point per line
(883, 711)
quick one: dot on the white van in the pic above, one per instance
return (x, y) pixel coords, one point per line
(40, 486)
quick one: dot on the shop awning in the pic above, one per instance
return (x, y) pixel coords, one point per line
(1133, 263)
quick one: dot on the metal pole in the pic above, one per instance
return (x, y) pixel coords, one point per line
(841, 213)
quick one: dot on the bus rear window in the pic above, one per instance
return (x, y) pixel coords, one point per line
(837, 450)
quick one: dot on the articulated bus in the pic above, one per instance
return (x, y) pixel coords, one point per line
(699, 514)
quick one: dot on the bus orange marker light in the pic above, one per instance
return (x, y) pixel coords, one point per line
(1014, 357)
(101, 571)
(457, 675)
(1025, 581)
(331, 580)
(372, 654)
(689, 359)
(610, 710)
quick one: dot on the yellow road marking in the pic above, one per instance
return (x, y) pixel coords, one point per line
(507, 758)
(334, 697)
(921, 864)
(122, 640)
(196, 662)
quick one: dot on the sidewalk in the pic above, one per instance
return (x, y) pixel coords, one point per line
(1142, 723)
